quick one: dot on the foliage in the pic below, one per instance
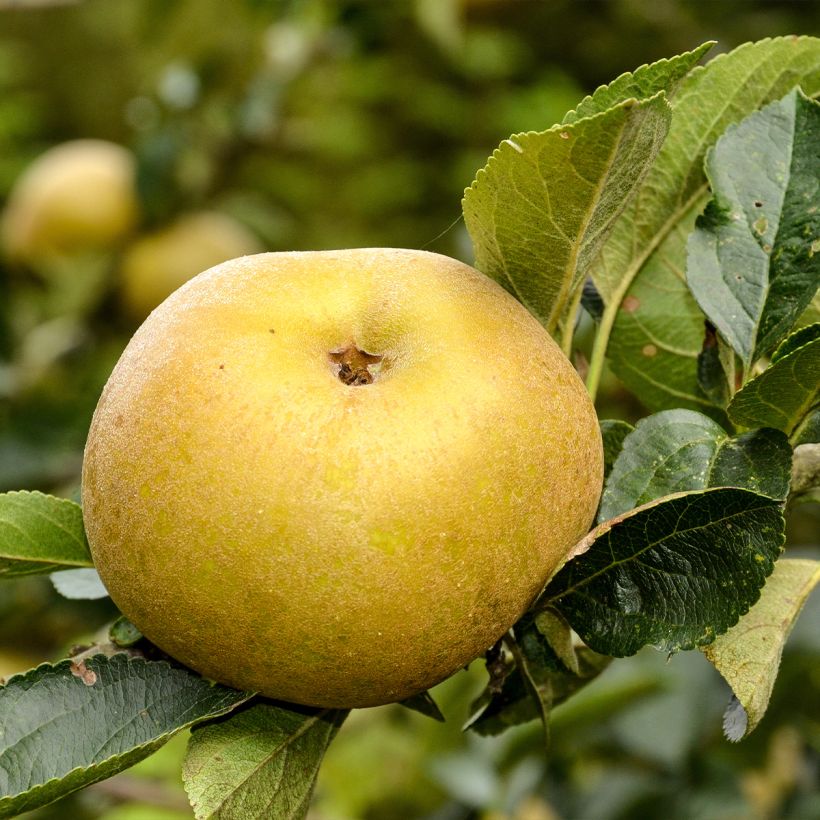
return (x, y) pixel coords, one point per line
(676, 206)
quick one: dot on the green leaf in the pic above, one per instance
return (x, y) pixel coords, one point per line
(715, 366)
(260, 763)
(123, 633)
(613, 433)
(751, 262)
(681, 450)
(667, 453)
(79, 721)
(808, 432)
(543, 205)
(40, 533)
(639, 272)
(748, 655)
(674, 573)
(549, 668)
(796, 340)
(658, 330)
(641, 84)
(424, 704)
(79, 584)
(760, 461)
(785, 391)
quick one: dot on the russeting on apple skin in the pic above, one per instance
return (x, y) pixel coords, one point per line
(337, 477)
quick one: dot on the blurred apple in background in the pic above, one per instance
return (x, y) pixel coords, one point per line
(76, 197)
(156, 264)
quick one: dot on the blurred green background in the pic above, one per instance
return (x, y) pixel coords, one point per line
(310, 125)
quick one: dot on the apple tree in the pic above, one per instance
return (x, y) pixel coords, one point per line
(676, 212)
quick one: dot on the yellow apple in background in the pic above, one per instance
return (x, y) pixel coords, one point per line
(156, 264)
(337, 477)
(76, 197)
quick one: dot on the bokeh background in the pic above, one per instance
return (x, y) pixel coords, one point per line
(255, 125)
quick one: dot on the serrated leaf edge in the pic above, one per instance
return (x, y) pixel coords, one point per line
(161, 739)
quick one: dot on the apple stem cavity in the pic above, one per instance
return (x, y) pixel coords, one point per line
(355, 367)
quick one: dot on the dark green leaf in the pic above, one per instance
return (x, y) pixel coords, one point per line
(40, 533)
(681, 450)
(541, 208)
(260, 763)
(613, 432)
(674, 573)
(809, 430)
(425, 705)
(668, 452)
(644, 82)
(658, 326)
(712, 376)
(751, 263)
(554, 668)
(786, 391)
(803, 336)
(759, 460)
(77, 722)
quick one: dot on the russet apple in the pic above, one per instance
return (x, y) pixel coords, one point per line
(337, 477)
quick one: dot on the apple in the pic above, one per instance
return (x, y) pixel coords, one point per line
(156, 264)
(76, 197)
(337, 477)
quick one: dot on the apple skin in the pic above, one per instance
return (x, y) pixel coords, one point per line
(156, 264)
(325, 543)
(75, 197)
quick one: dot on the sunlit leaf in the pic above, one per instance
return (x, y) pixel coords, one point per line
(541, 208)
(640, 84)
(40, 533)
(260, 763)
(748, 655)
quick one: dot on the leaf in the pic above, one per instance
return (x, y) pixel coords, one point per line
(809, 430)
(785, 391)
(796, 340)
(79, 584)
(123, 633)
(40, 533)
(748, 655)
(713, 378)
(639, 272)
(541, 208)
(552, 673)
(424, 704)
(681, 450)
(640, 84)
(674, 573)
(760, 461)
(79, 721)
(668, 452)
(751, 262)
(613, 433)
(658, 331)
(260, 763)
